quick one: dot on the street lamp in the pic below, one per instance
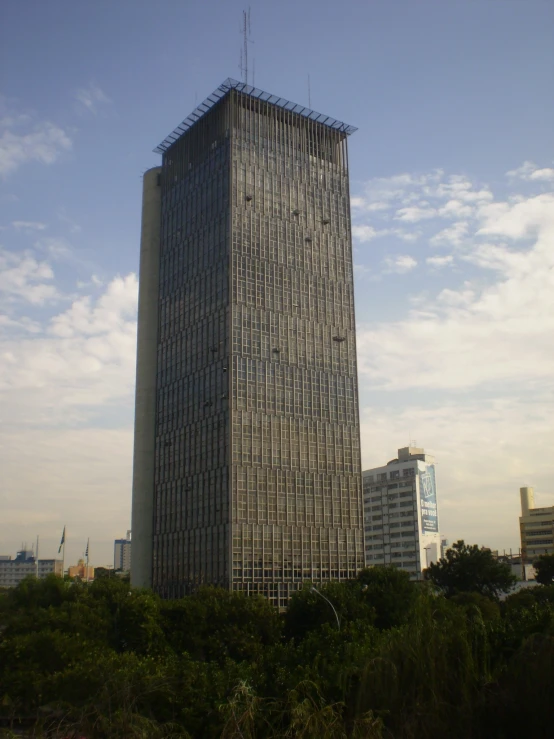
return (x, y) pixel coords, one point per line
(329, 602)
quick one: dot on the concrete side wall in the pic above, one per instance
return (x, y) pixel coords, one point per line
(527, 500)
(145, 399)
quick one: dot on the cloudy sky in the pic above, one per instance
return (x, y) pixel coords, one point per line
(453, 209)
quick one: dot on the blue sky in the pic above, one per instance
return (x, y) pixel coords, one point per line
(452, 180)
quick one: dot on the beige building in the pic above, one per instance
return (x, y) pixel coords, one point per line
(81, 570)
(536, 526)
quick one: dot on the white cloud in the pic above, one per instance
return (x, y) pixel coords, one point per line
(454, 234)
(415, 214)
(29, 225)
(22, 277)
(455, 209)
(364, 233)
(423, 197)
(497, 331)
(530, 172)
(91, 98)
(21, 142)
(440, 261)
(522, 219)
(83, 359)
(399, 264)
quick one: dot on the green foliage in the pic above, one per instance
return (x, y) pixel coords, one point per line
(425, 677)
(544, 567)
(308, 610)
(390, 592)
(215, 624)
(104, 660)
(467, 568)
(474, 603)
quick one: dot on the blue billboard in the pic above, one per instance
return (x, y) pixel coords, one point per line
(428, 500)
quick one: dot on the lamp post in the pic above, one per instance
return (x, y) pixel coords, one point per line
(329, 602)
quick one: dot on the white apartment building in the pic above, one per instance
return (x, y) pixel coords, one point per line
(400, 513)
(13, 571)
(122, 554)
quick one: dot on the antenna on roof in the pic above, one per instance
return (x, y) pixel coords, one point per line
(309, 94)
(246, 32)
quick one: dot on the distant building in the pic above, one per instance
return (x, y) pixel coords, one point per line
(122, 554)
(536, 526)
(13, 571)
(400, 513)
(81, 570)
(514, 561)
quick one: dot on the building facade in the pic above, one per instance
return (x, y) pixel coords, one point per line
(536, 526)
(81, 570)
(122, 549)
(400, 513)
(13, 571)
(247, 451)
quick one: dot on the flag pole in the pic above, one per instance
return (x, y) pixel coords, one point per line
(62, 544)
(88, 541)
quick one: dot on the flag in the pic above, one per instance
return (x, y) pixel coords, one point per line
(62, 542)
(86, 553)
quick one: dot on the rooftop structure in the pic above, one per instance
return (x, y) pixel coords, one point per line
(266, 97)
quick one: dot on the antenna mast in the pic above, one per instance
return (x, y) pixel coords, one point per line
(245, 30)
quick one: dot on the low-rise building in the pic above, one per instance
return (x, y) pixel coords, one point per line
(13, 571)
(536, 526)
(81, 570)
(400, 513)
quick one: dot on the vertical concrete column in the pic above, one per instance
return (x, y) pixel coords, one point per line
(145, 398)
(527, 500)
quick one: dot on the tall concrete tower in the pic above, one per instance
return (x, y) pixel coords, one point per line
(247, 453)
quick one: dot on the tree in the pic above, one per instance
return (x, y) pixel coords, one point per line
(217, 624)
(390, 592)
(308, 609)
(470, 569)
(544, 567)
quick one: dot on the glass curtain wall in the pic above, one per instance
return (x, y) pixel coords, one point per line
(296, 483)
(258, 479)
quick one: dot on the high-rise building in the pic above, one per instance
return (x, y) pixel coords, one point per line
(400, 512)
(247, 452)
(122, 553)
(536, 527)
